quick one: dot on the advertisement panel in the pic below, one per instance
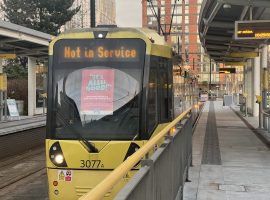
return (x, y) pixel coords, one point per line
(12, 108)
(97, 92)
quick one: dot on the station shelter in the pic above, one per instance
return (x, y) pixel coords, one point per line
(236, 33)
(20, 41)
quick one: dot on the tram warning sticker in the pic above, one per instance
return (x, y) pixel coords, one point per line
(97, 92)
(65, 175)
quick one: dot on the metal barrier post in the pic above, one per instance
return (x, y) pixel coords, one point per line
(268, 125)
(246, 112)
(264, 121)
(260, 115)
(5, 104)
(43, 106)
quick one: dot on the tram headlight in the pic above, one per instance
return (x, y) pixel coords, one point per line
(56, 155)
(100, 35)
(59, 159)
(132, 149)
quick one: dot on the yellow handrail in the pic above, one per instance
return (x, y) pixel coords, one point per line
(117, 174)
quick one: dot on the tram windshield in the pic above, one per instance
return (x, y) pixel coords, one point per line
(98, 99)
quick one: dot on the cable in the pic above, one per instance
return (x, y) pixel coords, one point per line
(155, 14)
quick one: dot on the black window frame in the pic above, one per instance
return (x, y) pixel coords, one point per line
(167, 62)
(51, 91)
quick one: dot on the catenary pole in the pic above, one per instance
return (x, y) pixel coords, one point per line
(93, 13)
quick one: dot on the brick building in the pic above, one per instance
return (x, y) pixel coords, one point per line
(184, 34)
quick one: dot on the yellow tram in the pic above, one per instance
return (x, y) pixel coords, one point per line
(109, 91)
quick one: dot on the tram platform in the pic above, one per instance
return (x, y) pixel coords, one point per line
(20, 135)
(230, 162)
(21, 124)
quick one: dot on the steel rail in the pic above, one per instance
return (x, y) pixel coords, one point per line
(266, 113)
(117, 174)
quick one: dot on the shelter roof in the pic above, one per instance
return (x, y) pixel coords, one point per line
(23, 41)
(217, 26)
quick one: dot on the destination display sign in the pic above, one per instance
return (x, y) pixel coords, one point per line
(256, 29)
(227, 70)
(97, 50)
(8, 55)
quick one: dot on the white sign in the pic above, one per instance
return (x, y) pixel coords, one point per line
(204, 97)
(12, 108)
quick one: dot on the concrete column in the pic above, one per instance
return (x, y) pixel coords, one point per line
(244, 88)
(244, 80)
(248, 86)
(256, 85)
(264, 58)
(31, 86)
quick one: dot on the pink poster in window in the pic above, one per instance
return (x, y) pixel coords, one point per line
(97, 91)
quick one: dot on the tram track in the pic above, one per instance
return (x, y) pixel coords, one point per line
(13, 181)
(28, 154)
(33, 186)
(22, 167)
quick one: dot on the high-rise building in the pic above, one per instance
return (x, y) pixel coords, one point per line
(105, 14)
(183, 33)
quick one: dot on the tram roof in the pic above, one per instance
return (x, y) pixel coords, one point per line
(217, 26)
(140, 32)
(22, 41)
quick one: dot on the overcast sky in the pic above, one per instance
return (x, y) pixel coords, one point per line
(129, 13)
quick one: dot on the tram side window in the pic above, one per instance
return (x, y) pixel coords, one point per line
(152, 97)
(165, 87)
(170, 88)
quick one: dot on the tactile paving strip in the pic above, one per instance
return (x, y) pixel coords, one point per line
(211, 151)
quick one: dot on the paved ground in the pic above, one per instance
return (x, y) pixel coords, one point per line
(254, 123)
(22, 124)
(244, 172)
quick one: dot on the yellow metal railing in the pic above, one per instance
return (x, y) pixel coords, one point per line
(117, 174)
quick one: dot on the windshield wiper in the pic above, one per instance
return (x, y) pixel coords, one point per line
(89, 145)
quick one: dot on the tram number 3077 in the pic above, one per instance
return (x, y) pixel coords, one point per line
(91, 164)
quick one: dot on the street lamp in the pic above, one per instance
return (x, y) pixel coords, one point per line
(227, 6)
